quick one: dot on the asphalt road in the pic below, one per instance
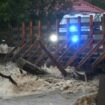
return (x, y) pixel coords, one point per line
(53, 98)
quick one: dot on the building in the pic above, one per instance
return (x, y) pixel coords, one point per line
(86, 18)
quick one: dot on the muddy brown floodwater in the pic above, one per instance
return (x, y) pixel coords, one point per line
(45, 90)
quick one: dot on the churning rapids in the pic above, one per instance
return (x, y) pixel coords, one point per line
(81, 93)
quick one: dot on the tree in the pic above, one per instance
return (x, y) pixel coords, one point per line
(50, 9)
(98, 3)
(12, 11)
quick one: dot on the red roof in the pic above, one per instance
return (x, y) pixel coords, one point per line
(83, 6)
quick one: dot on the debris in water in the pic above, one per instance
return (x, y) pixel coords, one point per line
(29, 84)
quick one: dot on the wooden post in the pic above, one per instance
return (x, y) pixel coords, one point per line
(57, 31)
(39, 29)
(31, 31)
(57, 26)
(23, 33)
(48, 25)
(89, 54)
(91, 30)
(67, 32)
(59, 66)
(17, 32)
(103, 31)
(79, 27)
(75, 55)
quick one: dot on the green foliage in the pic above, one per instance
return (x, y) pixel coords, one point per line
(98, 3)
(12, 12)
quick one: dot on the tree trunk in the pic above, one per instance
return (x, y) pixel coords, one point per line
(29, 67)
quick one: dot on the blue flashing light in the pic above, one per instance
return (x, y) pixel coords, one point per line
(75, 39)
(73, 28)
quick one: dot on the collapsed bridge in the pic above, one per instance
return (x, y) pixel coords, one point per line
(78, 40)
